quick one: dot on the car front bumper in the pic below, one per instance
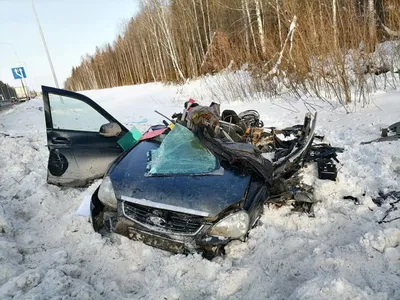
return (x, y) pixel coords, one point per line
(200, 242)
(118, 222)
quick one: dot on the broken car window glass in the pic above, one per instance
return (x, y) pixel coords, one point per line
(72, 114)
(182, 153)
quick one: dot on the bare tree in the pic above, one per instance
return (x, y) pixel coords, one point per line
(246, 5)
(161, 16)
(371, 21)
(260, 27)
(391, 32)
(334, 16)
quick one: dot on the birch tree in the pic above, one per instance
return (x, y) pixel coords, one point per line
(246, 6)
(371, 21)
(334, 15)
(260, 27)
(160, 14)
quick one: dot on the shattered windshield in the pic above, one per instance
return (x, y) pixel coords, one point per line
(181, 153)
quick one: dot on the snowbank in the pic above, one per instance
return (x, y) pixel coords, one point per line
(329, 289)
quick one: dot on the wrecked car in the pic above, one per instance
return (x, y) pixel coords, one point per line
(191, 185)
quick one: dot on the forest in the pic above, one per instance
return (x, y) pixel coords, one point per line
(173, 41)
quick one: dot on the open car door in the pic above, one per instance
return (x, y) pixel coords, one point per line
(81, 136)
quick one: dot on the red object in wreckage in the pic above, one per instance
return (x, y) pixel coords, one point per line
(152, 134)
(189, 103)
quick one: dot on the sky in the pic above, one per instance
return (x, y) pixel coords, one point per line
(72, 28)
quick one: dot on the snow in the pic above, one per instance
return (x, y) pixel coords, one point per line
(47, 251)
(329, 289)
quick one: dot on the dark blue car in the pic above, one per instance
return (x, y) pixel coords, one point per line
(179, 191)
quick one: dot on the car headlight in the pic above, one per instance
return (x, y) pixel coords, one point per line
(106, 193)
(233, 226)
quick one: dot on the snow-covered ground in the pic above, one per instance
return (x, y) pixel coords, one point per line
(48, 252)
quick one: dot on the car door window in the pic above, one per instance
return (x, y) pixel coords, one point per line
(72, 114)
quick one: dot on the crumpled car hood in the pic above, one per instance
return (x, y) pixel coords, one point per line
(211, 194)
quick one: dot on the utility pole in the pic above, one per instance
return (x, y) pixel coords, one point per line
(45, 45)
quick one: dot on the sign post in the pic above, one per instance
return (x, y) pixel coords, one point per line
(19, 73)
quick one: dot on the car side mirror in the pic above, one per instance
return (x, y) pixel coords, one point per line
(110, 130)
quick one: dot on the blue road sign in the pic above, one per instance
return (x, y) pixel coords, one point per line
(19, 72)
